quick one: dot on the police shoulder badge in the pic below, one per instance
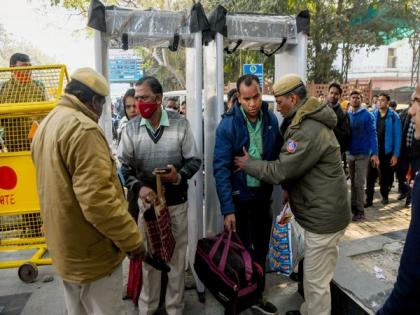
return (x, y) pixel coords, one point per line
(291, 146)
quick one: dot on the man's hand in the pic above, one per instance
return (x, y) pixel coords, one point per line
(394, 161)
(171, 177)
(240, 161)
(147, 195)
(139, 252)
(230, 222)
(375, 161)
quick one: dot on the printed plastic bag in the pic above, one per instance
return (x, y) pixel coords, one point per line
(286, 243)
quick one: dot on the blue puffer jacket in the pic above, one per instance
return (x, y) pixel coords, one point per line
(364, 140)
(392, 131)
(231, 136)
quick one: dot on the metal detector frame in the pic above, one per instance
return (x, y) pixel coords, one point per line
(204, 214)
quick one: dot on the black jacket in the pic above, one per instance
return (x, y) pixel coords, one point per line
(342, 130)
(414, 150)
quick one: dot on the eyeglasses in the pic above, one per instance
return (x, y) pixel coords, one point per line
(415, 99)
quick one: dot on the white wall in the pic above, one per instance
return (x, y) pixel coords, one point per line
(374, 64)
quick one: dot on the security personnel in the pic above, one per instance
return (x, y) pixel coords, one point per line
(309, 167)
(21, 88)
(87, 226)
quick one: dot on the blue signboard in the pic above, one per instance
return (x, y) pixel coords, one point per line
(255, 69)
(125, 69)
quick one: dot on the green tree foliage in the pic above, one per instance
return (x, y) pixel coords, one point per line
(336, 25)
(345, 25)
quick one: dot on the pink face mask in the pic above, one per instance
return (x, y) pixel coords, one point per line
(146, 109)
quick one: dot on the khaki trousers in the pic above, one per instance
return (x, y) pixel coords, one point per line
(150, 293)
(321, 252)
(100, 297)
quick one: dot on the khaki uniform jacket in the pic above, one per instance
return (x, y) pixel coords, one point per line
(87, 226)
(309, 165)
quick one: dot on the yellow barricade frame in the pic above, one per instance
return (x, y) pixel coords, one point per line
(20, 225)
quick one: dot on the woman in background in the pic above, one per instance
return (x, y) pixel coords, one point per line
(130, 110)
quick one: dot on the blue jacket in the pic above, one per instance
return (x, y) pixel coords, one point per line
(392, 131)
(231, 136)
(363, 133)
(405, 297)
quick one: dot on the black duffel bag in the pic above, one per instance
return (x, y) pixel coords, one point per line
(226, 268)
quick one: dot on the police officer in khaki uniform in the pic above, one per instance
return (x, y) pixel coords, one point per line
(87, 226)
(309, 168)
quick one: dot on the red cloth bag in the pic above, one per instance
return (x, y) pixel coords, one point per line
(157, 220)
(135, 280)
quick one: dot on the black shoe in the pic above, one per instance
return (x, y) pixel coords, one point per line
(294, 276)
(201, 297)
(358, 217)
(402, 196)
(385, 201)
(368, 204)
(408, 204)
(265, 307)
(293, 313)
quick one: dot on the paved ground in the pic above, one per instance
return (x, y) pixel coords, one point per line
(381, 219)
(42, 298)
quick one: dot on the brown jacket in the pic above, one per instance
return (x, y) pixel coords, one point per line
(87, 225)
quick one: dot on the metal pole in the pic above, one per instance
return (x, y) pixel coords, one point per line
(101, 65)
(195, 117)
(293, 59)
(213, 92)
(220, 80)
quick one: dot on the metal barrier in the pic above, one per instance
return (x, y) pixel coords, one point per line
(27, 94)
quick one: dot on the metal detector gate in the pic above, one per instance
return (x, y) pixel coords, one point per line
(124, 28)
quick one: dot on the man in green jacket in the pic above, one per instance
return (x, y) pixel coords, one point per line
(309, 168)
(20, 88)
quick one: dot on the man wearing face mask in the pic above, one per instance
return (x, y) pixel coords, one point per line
(160, 139)
(309, 164)
(21, 87)
(87, 226)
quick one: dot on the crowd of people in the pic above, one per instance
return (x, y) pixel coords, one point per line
(90, 228)
(377, 142)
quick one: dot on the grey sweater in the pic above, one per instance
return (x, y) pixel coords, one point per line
(140, 155)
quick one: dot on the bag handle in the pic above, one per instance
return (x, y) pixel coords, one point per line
(245, 256)
(229, 244)
(223, 259)
(216, 245)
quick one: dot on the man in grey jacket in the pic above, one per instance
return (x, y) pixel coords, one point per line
(309, 168)
(160, 139)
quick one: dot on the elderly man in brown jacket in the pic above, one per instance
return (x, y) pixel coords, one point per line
(87, 226)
